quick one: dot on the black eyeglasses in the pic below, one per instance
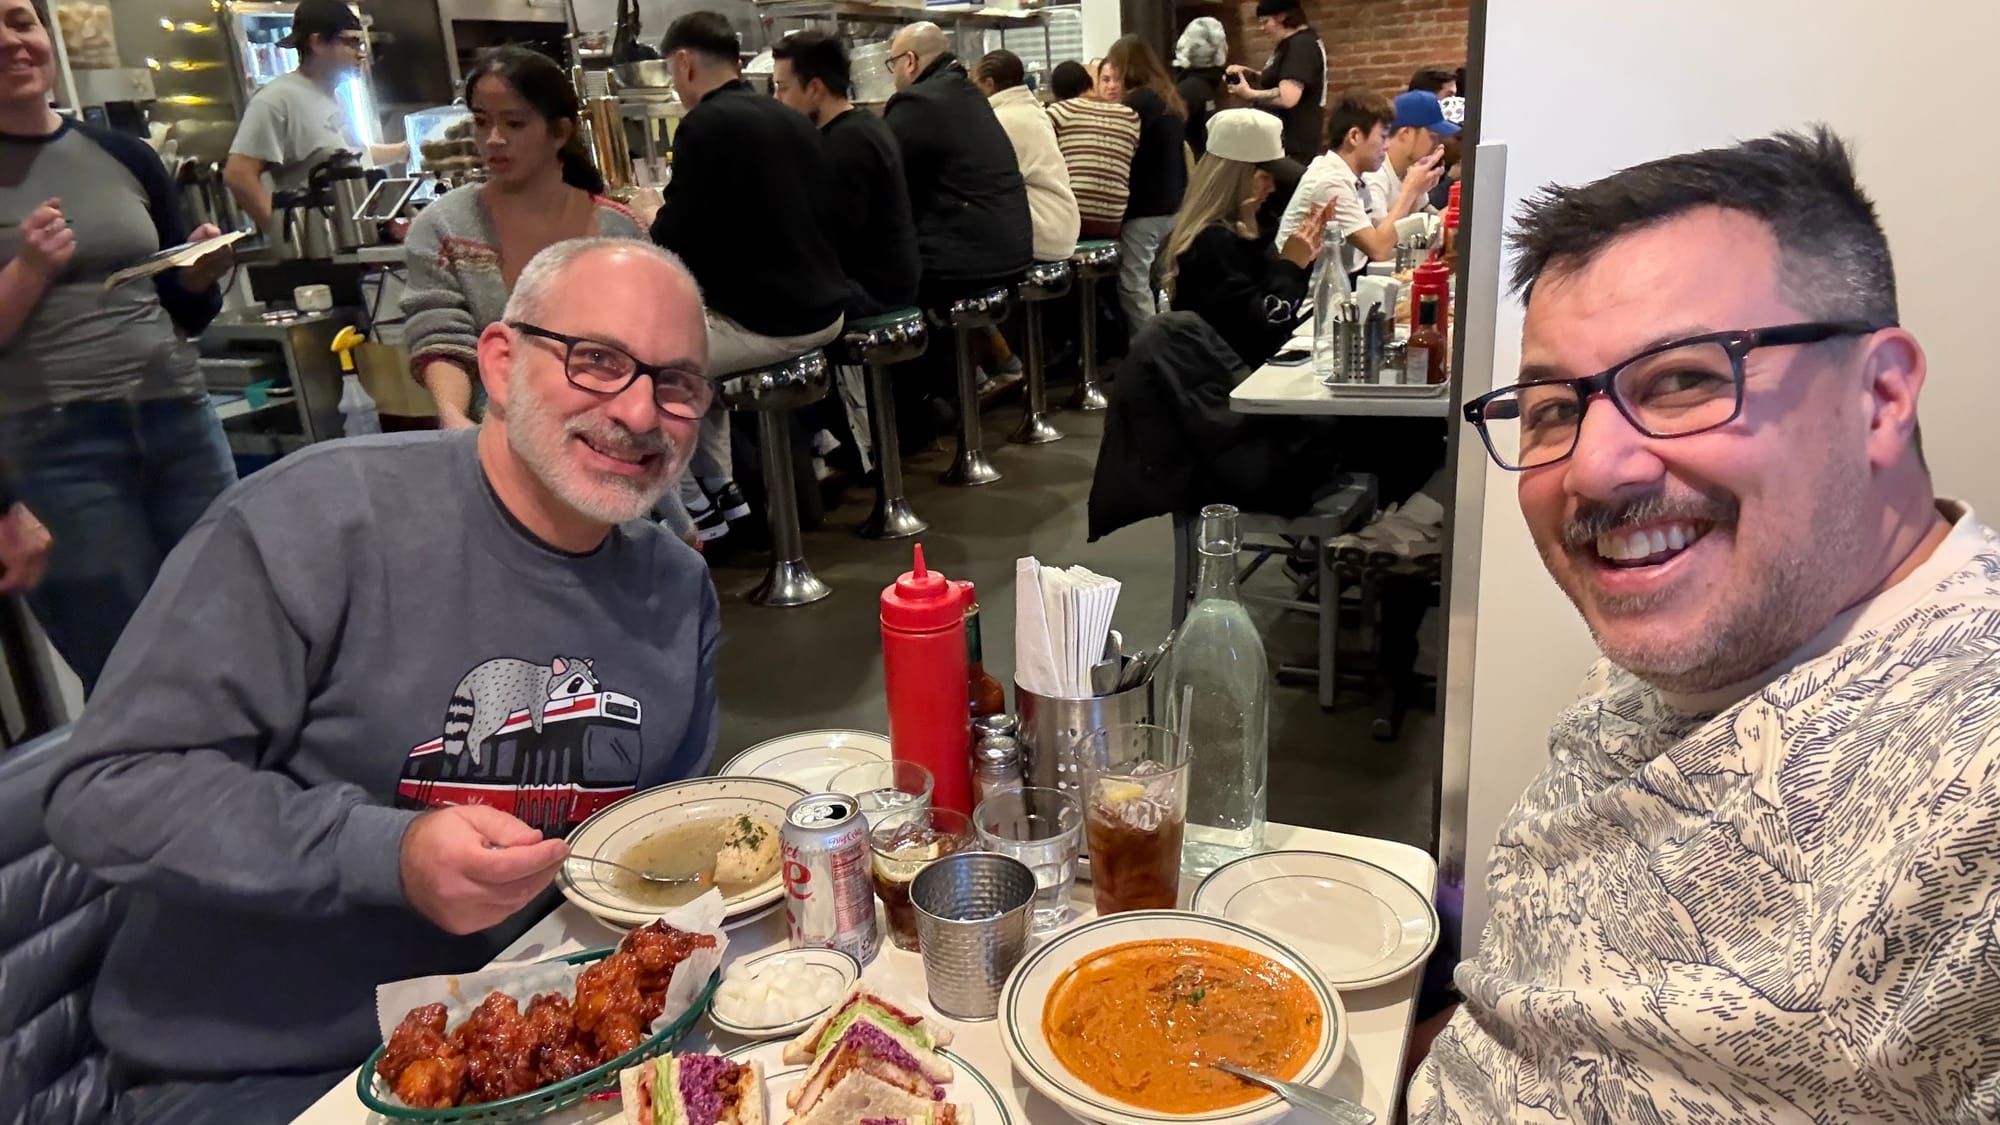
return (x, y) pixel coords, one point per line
(607, 369)
(1671, 390)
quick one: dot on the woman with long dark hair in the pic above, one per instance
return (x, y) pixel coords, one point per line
(466, 249)
(1134, 73)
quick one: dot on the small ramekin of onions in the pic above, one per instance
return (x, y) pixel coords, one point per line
(781, 993)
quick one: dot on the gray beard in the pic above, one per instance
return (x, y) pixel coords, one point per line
(538, 436)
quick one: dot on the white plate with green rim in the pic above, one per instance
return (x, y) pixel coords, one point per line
(967, 1088)
(1361, 925)
(1029, 986)
(809, 759)
(615, 830)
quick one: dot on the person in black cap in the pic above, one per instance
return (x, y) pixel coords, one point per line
(296, 120)
(1293, 83)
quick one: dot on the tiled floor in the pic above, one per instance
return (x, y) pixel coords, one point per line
(820, 665)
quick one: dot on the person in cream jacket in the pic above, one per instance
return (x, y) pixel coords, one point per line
(1051, 204)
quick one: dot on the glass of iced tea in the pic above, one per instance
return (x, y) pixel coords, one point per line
(1135, 780)
(903, 844)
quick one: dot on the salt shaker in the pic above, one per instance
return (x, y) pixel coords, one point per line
(996, 765)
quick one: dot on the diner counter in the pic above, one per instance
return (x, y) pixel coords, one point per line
(1379, 1018)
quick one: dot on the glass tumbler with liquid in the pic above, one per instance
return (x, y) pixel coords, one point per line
(1135, 795)
(880, 789)
(901, 845)
(1218, 653)
(1042, 828)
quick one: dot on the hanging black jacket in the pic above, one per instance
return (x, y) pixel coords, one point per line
(1243, 289)
(966, 191)
(1172, 444)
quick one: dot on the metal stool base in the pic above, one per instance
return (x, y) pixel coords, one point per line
(892, 519)
(970, 469)
(1035, 429)
(789, 582)
(1090, 396)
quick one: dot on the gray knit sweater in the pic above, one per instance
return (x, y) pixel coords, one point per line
(456, 288)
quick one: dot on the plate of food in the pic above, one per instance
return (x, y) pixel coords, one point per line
(1118, 1020)
(539, 1037)
(871, 1058)
(1387, 927)
(780, 993)
(809, 759)
(727, 824)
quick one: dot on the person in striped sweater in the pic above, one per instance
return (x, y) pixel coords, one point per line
(1097, 140)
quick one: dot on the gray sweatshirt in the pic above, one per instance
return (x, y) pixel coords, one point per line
(352, 634)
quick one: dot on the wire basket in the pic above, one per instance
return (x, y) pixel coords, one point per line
(535, 1104)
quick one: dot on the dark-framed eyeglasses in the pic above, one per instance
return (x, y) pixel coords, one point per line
(353, 39)
(1676, 389)
(607, 369)
(889, 64)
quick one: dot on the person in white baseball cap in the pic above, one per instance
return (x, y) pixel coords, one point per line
(1217, 265)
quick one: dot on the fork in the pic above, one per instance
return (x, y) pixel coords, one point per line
(1330, 1107)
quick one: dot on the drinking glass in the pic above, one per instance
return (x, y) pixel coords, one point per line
(1135, 815)
(1042, 828)
(882, 788)
(903, 844)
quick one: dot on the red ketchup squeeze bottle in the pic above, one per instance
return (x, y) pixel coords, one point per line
(924, 667)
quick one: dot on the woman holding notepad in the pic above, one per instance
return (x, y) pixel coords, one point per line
(106, 432)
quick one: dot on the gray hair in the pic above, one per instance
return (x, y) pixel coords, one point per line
(538, 285)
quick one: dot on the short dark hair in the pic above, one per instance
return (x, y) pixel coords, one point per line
(1292, 17)
(1432, 80)
(1358, 109)
(1069, 79)
(705, 33)
(1002, 68)
(1834, 259)
(816, 55)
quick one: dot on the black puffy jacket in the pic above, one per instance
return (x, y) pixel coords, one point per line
(966, 191)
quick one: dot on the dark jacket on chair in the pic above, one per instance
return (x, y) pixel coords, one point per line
(749, 213)
(966, 191)
(55, 922)
(1172, 444)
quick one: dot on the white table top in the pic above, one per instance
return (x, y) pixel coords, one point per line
(1379, 1018)
(1293, 390)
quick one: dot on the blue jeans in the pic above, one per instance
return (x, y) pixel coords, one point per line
(117, 484)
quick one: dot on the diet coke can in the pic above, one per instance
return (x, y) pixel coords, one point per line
(829, 892)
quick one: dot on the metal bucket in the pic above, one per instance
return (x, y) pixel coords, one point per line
(1051, 726)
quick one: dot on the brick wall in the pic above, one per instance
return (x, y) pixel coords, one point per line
(1369, 43)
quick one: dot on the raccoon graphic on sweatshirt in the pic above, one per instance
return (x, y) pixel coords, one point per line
(349, 636)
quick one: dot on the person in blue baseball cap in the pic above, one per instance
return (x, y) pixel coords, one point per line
(1419, 129)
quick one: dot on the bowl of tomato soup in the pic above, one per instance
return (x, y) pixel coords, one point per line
(1119, 1020)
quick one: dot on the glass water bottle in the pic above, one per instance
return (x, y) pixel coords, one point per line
(1218, 651)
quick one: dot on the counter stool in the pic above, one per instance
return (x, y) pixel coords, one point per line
(1094, 261)
(1045, 282)
(971, 314)
(774, 392)
(876, 342)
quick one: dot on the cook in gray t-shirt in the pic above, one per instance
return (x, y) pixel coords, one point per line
(292, 124)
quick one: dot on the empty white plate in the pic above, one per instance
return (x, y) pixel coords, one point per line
(1359, 925)
(808, 759)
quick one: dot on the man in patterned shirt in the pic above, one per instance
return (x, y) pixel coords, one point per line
(1759, 880)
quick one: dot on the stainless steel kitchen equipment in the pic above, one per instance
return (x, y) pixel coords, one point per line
(290, 351)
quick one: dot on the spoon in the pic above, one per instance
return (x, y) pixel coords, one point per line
(703, 878)
(1329, 1107)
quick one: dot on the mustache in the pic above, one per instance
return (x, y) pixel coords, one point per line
(609, 433)
(1593, 518)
